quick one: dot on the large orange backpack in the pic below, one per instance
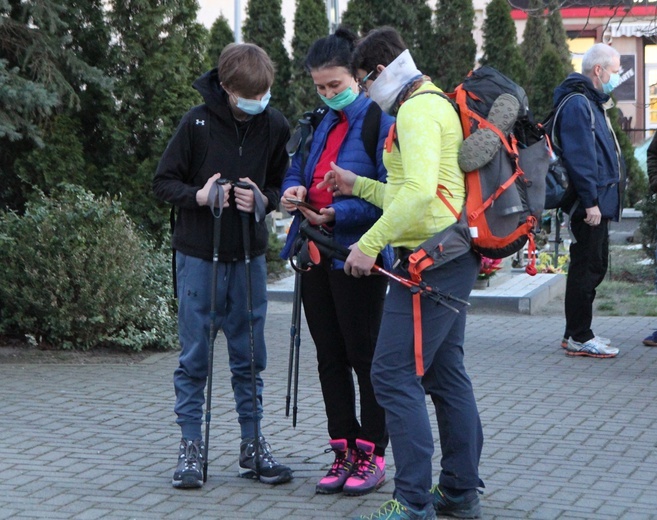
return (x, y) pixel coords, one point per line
(505, 197)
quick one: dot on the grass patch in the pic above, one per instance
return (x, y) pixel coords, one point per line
(624, 292)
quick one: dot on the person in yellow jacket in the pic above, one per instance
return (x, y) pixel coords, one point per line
(420, 155)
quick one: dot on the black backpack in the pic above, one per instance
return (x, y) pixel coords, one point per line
(559, 191)
(308, 123)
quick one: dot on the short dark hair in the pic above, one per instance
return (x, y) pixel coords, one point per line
(332, 51)
(245, 68)
(379, 47)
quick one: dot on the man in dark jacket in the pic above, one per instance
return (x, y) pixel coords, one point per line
(592, 158)
(243, 140)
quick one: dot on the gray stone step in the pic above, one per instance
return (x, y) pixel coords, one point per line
(513, 291)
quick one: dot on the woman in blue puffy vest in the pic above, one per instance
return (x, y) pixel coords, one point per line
(343, 313)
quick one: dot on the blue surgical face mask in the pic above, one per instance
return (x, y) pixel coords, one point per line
(341, 100)
(253, 106)
(614, 81)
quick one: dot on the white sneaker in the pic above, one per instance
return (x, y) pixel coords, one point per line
(601, 339)
(591, 348)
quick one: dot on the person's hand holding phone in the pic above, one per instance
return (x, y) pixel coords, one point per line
(294, 193)
(325, 215)
(294, 199)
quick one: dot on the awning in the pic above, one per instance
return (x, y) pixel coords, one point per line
(630, 29)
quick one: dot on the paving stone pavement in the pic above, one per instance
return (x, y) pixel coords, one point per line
(565, 438)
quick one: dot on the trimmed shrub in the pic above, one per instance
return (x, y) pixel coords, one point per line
(78, 275)
(648, 224)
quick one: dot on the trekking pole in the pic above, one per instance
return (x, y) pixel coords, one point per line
(295, 337)
(216, 198)
(332, 249)
(246, 238)
(297, 348)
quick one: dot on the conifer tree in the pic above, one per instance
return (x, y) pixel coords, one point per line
(362, 16)
(548, 74)
(455, 48)
(557, 34)
(501, 49)
(535, 38)
(264, 26)
(45, 69)
(310, 24)
(637, 182)
(220, 35)
(412, 18)
(158, 51)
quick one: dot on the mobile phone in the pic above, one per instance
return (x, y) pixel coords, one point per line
(302, 204)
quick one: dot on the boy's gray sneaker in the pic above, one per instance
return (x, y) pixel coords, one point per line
(270, 471)
(189, 472)
(464, 505)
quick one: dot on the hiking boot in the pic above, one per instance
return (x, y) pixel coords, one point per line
(394, 510)
(369, 471)
(479, 147)
(651, 341)
(342, 467)
(463, 505)
(189, 471)
(591, 348)
(601, 339)
(269, 470)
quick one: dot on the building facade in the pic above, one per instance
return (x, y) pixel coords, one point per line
(630, 27)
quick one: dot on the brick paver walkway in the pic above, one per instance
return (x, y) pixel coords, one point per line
(564, 437)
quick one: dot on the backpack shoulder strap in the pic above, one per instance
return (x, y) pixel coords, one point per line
(560, 107)
(369, 132)
(440, 189)
(442, 95)
(302, 137)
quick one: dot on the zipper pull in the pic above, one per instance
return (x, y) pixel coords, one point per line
(240, 151)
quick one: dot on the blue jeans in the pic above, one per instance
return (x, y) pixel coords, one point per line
(194, 280)
(402, 393)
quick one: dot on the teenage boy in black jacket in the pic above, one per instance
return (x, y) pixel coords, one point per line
(245, 141)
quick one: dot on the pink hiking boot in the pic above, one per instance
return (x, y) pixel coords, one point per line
(369, 471)
(342, 467)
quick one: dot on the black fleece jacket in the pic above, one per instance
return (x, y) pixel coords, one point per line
(255, 149)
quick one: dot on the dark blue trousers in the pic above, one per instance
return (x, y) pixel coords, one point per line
(402, 393)
(194, 291)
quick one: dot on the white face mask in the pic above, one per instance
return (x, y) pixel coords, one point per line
(385, 89)
(253, 106)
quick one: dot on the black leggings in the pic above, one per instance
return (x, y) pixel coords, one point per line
(344, 315)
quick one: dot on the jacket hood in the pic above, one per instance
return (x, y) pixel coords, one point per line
(576, 82)
(213, 93)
